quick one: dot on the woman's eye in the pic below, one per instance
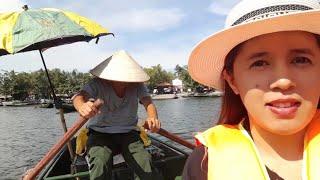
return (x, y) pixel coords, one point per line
(259, 64)
(301, 60)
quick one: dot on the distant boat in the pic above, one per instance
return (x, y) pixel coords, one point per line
(15, 103)
(209, 94)
(216, 93)
(46, 105)
(164, 96)
(67, 108)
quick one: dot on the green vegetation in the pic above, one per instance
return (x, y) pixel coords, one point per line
(183, 74)
(21, 85)
(158, 76)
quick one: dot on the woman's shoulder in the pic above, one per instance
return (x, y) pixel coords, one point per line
(196, 166)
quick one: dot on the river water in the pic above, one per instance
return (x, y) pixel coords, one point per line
(27, 133)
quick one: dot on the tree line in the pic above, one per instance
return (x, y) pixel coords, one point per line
(21, 85)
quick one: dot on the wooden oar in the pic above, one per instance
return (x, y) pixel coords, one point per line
(32, 174)
(173, 137)
(65, 129)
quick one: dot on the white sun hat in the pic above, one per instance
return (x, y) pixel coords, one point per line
(248, 19)
(120, 67)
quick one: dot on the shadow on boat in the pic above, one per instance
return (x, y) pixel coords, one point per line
(167, 159)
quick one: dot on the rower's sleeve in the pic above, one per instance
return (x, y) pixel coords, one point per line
(196, 167)
(91, 88)
(142, 91)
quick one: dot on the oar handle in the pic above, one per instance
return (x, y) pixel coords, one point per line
(173, 137)
(59, 145)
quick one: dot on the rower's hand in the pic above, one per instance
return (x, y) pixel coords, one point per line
(153, 124)
(90, 109)
(25, 176)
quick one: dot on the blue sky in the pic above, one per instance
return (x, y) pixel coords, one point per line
(152, 31)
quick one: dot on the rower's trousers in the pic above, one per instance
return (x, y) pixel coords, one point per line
(103, 146)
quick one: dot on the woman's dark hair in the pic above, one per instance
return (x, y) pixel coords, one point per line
(232, 108)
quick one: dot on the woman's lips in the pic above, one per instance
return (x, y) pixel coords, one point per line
(284, 109)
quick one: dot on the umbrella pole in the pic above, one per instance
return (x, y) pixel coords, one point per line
(58, 105)
(55, 99)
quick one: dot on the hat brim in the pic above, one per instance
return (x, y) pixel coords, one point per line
(120, 67)
(206, 60)
(133, 78)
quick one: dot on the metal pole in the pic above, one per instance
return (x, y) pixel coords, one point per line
(55, 99)
(58, 105)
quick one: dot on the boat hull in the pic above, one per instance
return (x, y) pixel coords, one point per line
(164, 96)
(167, 159)
(47, 105)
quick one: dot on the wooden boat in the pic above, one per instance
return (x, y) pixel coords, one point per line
(15, 103)
(46, 105)
(199, 95)
(164, 96)
(210, 94)
(167, 159)
(68, 108)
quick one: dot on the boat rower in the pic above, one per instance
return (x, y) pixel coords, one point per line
(119, 83)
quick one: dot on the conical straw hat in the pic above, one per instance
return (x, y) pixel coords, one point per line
(120, 67)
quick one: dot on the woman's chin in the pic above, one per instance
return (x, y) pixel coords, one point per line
(285, 127)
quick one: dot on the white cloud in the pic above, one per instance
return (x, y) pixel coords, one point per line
(84, 57)
(222, 7)
(169, 51)
(81, 56)
(146, 19)
(11, 5)
(167, 58)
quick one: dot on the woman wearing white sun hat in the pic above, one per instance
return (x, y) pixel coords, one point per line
(267, 62)
(119, 83)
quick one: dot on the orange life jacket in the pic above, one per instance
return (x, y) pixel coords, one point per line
(232, 153)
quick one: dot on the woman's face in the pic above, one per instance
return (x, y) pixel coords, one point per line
(278, 79)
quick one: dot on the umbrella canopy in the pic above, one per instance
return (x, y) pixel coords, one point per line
(37, 29)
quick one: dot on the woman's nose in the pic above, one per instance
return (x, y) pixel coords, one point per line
(282, 84)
